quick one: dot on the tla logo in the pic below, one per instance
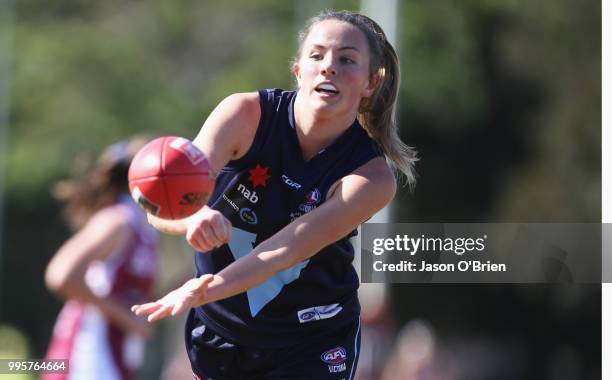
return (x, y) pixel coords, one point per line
(248, 216)
(248, 194)
(289, 182)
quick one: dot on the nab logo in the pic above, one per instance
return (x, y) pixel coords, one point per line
(251, 196)
(192, 198)
(334, 356)
(248, 216)
(289, 182)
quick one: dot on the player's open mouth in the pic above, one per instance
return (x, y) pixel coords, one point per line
(327, 88)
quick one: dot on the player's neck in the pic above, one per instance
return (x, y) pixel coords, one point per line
(316, 132)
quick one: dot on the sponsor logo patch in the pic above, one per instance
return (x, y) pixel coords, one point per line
(312, 201)
(307, 316)
(291, 183)
(259, 176)
(251, 195)
(334, 356)
(230, 202)
(248, 216)
(337, 368)
(185, 146)
(335, 359)
(318, 312)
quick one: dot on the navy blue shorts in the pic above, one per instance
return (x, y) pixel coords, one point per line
(334, 356)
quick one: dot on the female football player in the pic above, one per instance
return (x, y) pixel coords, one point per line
(298, 171)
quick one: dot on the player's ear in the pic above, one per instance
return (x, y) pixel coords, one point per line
(296, 73)
(371, 85)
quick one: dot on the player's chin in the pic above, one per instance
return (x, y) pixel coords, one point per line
(326, 105)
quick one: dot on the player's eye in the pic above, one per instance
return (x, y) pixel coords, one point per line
(346, 60)
(316, 56)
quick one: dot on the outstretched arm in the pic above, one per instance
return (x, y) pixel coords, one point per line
(355, 198)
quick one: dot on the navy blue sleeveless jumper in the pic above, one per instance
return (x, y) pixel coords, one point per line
(262, 192)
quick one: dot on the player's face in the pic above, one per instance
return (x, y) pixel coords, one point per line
(333, 72)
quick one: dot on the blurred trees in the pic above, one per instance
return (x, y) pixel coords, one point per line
(508, 91)
(503, 100)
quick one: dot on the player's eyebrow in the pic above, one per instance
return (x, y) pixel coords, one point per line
(348, 47)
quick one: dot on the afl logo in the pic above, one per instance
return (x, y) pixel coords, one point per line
(334, 356)
(248, 216)
(307, 316)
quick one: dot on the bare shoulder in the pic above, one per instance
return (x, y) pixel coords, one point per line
(229, 130)
(377, 170)
(373, 180)
(244, 104)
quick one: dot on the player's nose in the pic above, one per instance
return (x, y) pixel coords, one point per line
(328, 66)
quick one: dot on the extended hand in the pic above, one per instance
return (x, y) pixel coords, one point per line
(191, 294)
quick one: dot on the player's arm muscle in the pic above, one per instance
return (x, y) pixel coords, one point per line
(230, 129)
(227, 134)
(356, 198)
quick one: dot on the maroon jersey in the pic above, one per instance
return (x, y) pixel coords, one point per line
(95, 347)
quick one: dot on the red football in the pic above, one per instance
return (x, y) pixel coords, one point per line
(170, 178)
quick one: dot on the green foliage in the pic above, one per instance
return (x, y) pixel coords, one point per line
(439, 63)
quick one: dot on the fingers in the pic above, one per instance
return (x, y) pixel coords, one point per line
(227, 225)
(160, 313)
(191, 294)
(196, 240)
(205, 279)
(207, 230)
(195, 294)
(209, 235)
(156, 310)
(221, 230)
(146, 308)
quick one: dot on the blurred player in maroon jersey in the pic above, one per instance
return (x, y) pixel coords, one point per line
(109, 264)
